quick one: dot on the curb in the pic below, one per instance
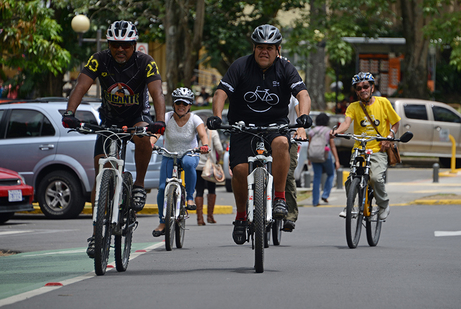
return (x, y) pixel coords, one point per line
(149, 209)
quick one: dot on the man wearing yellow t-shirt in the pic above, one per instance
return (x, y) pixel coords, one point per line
(387, 122)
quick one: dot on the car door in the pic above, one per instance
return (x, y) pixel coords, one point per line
(446, 122)
(28, 137)
(415, 118)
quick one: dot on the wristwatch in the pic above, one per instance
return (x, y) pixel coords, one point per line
(68, 113)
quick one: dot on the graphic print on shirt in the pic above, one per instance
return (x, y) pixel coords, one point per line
(120, 94)
(263, 95)
(365, 121)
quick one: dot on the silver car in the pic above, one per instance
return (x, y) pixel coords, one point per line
(56, 162)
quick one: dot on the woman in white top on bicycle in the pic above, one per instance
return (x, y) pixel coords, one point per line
(180, 135)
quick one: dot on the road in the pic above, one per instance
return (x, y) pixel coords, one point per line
(415, 265)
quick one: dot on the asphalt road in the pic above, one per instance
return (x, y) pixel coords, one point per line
(415, 265)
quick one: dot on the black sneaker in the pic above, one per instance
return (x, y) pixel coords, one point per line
(240, 232)
(90, 249)
(288, 226)
(280, 209)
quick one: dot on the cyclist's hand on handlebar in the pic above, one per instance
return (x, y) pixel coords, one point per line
(304, 120)
(214, 123)
(204, 149)
(158, 127)
(70, 122)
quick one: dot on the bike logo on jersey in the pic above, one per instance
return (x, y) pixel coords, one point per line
(254, 99)
(121, 94)
(365, 122)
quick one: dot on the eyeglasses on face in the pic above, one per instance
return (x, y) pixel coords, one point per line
(177, 103)
(364, 87)
(124, 45)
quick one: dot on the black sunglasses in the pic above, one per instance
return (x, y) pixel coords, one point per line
(181, 103)
(364, 87)
(124, 45)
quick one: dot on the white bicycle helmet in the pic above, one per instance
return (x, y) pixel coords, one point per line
(183, 94)
(266, 34)
(122, 31)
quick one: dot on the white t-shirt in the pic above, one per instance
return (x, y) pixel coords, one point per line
(179, 139)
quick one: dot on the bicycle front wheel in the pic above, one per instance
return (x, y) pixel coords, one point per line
(277, 226)
(102, 229)
(354, 214)
(180, 226)
(259, 217)
(127, 221)
(373, 225)
(170, 218)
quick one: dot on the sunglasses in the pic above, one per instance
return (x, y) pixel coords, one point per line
(364, 87)
(124, 45)
(181, 103)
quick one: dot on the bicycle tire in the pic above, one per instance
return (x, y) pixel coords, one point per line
(259, 217)
(373, 224)
(180, 226)
(170, 218)
(126, 218)
(102, 229)
(354, 214)
(277, 226)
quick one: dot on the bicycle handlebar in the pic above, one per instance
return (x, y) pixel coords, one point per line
(89, 128)
(407, 136)
(161, 150)
(242, 127)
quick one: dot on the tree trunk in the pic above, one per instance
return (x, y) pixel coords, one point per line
(414, 66)
(315, 79)
(172, 41)
(193, 47)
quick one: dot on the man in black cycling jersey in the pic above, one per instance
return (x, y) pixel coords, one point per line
(259, 87)
(126, 77)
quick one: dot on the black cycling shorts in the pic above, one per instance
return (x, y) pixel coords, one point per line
(243, 145)
(98, 147)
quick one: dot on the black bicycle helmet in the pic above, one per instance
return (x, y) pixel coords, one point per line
(266, 34)
(122, 31)
(363, 77)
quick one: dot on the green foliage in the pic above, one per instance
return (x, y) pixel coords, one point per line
(30, 37)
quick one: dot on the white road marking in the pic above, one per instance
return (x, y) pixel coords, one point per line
(46, 289)
(14, 232)
(445, 233)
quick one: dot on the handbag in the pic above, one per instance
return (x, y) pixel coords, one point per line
(212, 171)
(393, 154)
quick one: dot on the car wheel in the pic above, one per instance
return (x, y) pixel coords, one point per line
(5, 216)
(228, 185)
(60, 195)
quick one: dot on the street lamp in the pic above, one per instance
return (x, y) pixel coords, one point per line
(80, 24)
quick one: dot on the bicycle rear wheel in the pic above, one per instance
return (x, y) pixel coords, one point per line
(259, 218)
(373, 225)
(180, 226)
(171, 197)
(277, 226)
(354, 214)
(102, 229)
(127, 221)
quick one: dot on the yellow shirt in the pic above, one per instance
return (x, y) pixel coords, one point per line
(381, 112)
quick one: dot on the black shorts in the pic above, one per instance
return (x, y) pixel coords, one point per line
(243, 145)
(98, 147)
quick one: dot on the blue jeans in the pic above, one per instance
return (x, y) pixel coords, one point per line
(329, 168)
(189, 164)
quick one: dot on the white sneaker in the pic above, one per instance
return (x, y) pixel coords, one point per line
(384, 212)
(342, 214)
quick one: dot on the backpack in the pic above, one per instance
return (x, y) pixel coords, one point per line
(318, 149)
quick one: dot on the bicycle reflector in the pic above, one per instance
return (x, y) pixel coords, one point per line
(369, 151)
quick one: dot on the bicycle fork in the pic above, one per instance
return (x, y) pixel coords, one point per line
(251, 182)
(118, 187)
(172, 182)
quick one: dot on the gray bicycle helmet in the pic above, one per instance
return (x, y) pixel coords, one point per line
(363, 77)
(122, 31)
(183, 94)
(266, 34)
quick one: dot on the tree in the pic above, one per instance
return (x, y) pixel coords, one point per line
(30, 42)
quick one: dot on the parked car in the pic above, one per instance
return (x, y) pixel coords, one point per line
(57, 162)
(15, 195)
